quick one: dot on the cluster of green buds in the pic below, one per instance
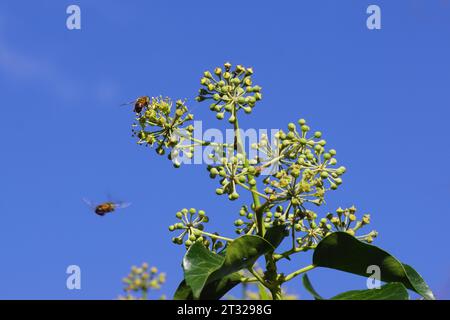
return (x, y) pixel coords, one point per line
(309, 231)
(230, 89)
(232, 173)
(141, 280)
(246, 223)
(346, 220)
(191, 223)
(162, 124)
(305, 169)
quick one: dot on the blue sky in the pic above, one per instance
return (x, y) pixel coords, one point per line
(380, 97)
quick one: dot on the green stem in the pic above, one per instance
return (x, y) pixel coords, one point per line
(286, 254)
(214, 235)
(298, 272)
(253, 189)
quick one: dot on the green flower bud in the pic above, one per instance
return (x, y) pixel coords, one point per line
(291, 126)
(332, 152)
(365, 219)
(201, 213)
(179, 225)
(301, 122)
(192, 210)
(235, 81)
(220, 115)
(171, 228)
(324, 174)
(238, 223)
(350, 232)
(233, 196)
(179, 215)
(218, 71)
(207, 74)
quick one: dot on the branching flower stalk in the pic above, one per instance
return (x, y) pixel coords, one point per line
(288, 177)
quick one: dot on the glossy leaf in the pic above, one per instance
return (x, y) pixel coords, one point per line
(390, 291)
(308, 286)
(344, 252)
(203, 267)
(211, 291)
(242, 253)
(198, 264)
(275, 235)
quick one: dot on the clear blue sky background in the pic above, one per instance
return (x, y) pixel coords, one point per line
(381, 97)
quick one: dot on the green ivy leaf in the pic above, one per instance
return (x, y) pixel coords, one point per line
(198, 264)
(308, 286)
(390, 291)
(344, 252)
(211, 291)
(202, 267)
(275, 235)
(242, 253)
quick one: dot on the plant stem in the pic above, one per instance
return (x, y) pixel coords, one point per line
(286, 254)
(298, 272)
(214, 235)
(253, 189)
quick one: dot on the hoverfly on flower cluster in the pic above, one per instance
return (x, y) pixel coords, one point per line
(139, 104)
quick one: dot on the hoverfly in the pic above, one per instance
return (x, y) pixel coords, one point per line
(106, 207)
(139, 104)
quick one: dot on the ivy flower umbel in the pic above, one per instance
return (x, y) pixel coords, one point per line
(192, 226)
(230, 90)
(346, 220)
(161, 124)
(141, 280)
(306, 170)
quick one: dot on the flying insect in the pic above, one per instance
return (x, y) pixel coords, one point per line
(106, 207)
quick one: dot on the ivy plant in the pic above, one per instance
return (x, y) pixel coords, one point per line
(287, 181)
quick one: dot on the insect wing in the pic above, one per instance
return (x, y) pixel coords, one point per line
(89, 203)
(122, 205)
